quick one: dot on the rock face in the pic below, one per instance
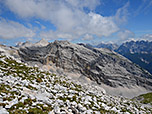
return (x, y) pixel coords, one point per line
(139, 52)
(25, 44)
(30, 90)
(100, 65)
(40, 43)
(135, 47)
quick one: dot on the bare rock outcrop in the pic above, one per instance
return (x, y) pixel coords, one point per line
(100, 65)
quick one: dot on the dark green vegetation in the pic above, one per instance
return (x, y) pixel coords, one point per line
(59, 88)
(145, 98)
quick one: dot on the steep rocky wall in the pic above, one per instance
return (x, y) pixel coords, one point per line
(102, 66)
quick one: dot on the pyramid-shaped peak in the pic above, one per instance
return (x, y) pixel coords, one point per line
(42, 42)
(19, 44)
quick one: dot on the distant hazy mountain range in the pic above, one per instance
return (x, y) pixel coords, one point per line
(139, 52)
(110, 46)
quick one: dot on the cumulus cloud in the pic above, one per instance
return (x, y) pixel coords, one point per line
(11, 29)
(68, 16)
(101, 26)
(94, 25)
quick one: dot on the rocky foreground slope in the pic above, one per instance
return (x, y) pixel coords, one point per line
(25, 89)
(100, 65)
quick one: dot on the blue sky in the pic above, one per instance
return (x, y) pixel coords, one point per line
(88, 21)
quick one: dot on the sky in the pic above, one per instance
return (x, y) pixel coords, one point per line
(86, 21)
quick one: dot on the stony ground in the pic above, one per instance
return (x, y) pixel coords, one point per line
(25, 89)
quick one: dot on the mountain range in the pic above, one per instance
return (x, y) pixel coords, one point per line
(102, 66)
(26, 89)
(139, 52)
(111, 46)
(62, 77)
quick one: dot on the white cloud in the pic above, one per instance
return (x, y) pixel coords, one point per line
(11, 29)
(91, 4)
(122, 14)
(42, 26)
(101, 26)
(53, 35)
(93, 24)
(68, 16)
(144, 7)
(125, 35)
(147, 37)
(88, 37)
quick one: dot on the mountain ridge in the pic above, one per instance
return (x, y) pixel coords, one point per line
(139, 52)
(100, 65)
(28, 89)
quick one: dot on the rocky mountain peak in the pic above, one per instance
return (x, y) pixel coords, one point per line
(100, 65)
(42, 42)
(141, 46)
(139, 52)
(63, 44)
(25, 44)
